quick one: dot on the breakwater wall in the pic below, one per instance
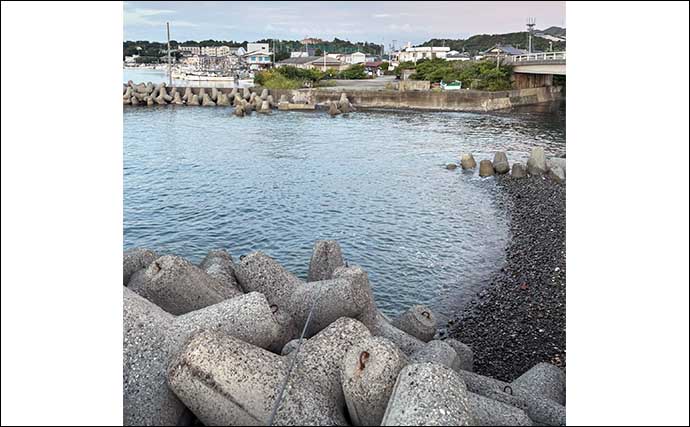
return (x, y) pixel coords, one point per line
(222, 339)
(460, 100)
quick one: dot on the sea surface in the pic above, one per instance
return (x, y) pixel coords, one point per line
(197, 179)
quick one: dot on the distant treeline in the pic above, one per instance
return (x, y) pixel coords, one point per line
(153, 51)
(482, 42)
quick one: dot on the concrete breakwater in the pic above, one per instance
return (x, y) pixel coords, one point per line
(309, 99)
(222, 340)
(460, 100)
(537, 164)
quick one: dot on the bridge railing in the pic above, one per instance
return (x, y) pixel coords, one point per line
(543, 56)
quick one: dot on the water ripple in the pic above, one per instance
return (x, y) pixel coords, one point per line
(197, 178)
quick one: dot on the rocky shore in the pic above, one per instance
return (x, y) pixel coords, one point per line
(519, 319)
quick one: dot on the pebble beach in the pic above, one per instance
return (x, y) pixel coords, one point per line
(518, 320)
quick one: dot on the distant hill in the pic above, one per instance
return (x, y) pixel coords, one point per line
(482, 42)
(554, 31)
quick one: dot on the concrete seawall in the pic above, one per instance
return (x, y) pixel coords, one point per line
(461, 100)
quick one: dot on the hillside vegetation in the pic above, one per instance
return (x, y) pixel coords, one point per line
(482, 42)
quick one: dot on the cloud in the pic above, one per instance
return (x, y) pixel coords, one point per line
(382, 15)
(139, 16)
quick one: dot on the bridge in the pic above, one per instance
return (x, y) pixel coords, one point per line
(536, 69)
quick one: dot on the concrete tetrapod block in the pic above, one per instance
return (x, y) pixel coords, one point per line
(489, 412)
(465, 355)
(553, 162)
(539, 408)
(340, 297)
(428, 394)
(219, 264)
(222, 99)
(187, 94)
(557, 174)
(147, 347)
(177, 286)
(151, 337)
(206, 101)
(264, 94)
(545, 379)
(368, 375)
(226, 381)
(333, 109)
(378, 324)
(536, 164)
(248, 317)
(467, 161)
(265, 108)
(518, 171)
(418, 321)
(486, 168)
(500, 163)
(436, 352)
(134, 260)
(289, 347)
(193, 100)
(325, 259)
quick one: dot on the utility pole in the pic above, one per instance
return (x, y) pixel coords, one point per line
(530, 28)
(167, 25)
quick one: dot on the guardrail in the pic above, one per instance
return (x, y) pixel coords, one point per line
(544, 56)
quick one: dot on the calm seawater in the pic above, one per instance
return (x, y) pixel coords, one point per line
(198, 178)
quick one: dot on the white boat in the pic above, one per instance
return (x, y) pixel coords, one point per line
(201, 77)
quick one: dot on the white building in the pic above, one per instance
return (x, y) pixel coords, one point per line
(454, 55)
(257, 47)
(215, 50)
(414, 54)
(131, 59)
(194, 50)
(358, 58)
(258, 59)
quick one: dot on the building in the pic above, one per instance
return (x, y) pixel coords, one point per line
(357, 58)
(503, 51)
(373, 68)
(258, 59)
(310, 51)
(192, 50)
(131, 59)
(454, 55)
(414, 54)
(321, 63)
(257, 47)
(215, 50)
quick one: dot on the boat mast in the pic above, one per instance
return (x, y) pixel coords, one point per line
(167, 25)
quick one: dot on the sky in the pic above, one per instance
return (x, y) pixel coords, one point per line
(376, 22)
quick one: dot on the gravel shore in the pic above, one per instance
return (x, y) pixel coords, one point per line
(519, 319)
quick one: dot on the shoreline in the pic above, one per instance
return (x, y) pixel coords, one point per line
(518, 320)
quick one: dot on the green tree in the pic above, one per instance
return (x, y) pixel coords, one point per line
(354, 72)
